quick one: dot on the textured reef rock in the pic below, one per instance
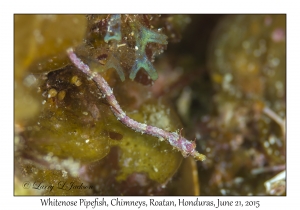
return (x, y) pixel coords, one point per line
(246, 138)
(225, 77)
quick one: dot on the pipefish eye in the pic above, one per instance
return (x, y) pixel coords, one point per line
(190, 147)
(186, 147)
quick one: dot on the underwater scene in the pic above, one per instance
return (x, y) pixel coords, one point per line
(148, 104)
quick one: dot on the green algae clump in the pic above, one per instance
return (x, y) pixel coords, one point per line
(146, 154)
